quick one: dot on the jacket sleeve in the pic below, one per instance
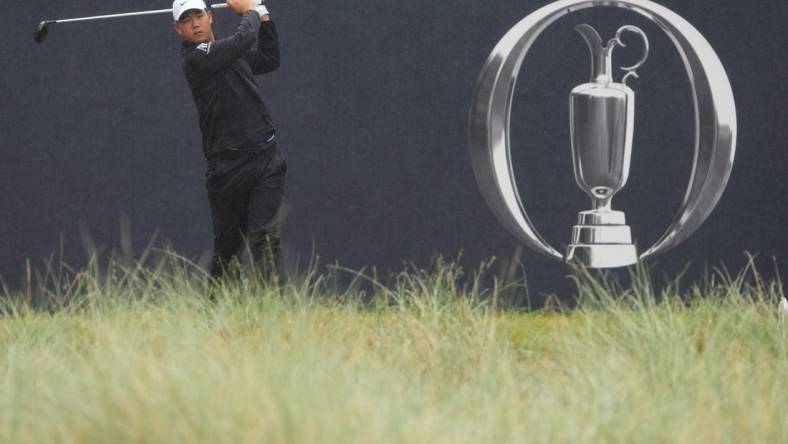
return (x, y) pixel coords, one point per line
(212, 57)
(265, 58)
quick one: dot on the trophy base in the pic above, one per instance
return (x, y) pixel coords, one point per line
(602, 255)
(602, 240)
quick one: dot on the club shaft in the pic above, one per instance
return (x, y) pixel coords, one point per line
(127, 14)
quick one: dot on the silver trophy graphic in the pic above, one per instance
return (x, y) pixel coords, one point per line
(602, 114)
(602, 128)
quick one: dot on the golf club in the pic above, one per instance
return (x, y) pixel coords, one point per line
(43, 28)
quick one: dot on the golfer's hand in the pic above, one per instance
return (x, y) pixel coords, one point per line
(241, 6)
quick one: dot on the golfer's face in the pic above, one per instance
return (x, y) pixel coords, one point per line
(195, 26)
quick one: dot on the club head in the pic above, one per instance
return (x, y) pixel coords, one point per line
(41, 32)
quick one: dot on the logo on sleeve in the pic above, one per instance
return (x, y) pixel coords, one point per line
(205, 47)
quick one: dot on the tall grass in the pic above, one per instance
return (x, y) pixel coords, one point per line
(134, 352)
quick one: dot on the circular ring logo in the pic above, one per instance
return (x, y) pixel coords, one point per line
(602, 123)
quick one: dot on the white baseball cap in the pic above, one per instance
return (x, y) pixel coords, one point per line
(181, 6)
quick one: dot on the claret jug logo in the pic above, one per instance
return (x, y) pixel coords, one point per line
(602, 128)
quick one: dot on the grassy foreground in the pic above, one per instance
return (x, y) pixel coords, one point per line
(137, 355)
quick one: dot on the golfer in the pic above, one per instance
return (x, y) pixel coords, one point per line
(246, 172)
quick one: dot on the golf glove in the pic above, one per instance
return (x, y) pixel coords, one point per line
(261, 9)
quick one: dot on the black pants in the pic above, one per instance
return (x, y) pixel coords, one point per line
(245, 190)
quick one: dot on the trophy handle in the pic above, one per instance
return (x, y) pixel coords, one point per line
(715, 121)
(631, 71)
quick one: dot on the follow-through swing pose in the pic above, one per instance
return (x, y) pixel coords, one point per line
(246, 172)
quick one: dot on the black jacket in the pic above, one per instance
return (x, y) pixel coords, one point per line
(220, 73)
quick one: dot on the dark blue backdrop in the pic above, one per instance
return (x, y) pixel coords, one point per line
(371, 101)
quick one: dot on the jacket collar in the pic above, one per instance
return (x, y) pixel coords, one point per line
(186, 46)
